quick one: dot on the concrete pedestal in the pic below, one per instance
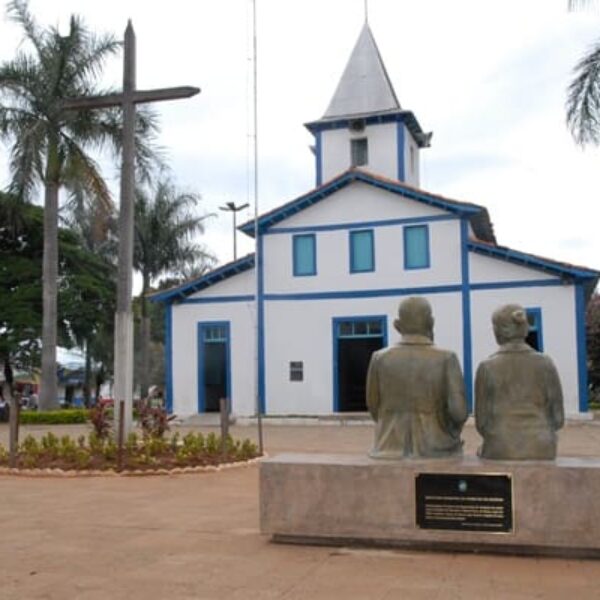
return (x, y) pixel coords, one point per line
(355, 500)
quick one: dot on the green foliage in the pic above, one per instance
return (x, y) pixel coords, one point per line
(132, 442)
(212, 443)
(593, 346)
(85, 290)
(69, 416)
(147, 453)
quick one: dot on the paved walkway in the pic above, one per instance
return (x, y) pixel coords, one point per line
(196, 537)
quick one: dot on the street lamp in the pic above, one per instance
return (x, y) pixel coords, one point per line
(232, 208)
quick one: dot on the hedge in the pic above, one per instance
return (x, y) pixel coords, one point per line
(54, 417)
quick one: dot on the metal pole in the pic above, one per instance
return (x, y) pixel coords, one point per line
(231, 207)
(257, 254)
(234, 236)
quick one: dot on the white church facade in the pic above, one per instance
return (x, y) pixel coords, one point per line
(334, 263)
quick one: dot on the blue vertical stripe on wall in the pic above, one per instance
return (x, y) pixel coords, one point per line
(466, 313)
(169, 357)
(261, 326)
(581, 347)
(319, 158)
(400, 150)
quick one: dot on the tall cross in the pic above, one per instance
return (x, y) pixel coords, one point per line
(123, 366)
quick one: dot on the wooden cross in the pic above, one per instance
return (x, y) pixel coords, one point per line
(123, 366)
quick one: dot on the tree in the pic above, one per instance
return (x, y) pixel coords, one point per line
(86, 286)
(97, 235)
(592, 325)
(165, 226)
(583, 94)
(49, 146)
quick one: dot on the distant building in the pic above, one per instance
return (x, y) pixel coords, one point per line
(335, 262)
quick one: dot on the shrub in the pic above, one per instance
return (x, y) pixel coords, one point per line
(69, 416)
(154, 421)
(101, 421)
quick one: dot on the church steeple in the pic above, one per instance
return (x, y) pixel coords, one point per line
(364, 124)
(365, 87)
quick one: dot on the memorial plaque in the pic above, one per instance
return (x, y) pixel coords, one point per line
(464, 502)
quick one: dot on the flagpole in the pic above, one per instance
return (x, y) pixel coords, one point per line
(258, 248)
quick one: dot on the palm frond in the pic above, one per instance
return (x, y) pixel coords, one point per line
(81, 171)
(583, 99)
(18, 11)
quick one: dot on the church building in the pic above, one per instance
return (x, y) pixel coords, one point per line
(334, 264)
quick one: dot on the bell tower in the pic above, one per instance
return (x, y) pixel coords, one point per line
(364, 124)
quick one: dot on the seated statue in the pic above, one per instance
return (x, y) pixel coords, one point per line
(518, 396)
(415, 391)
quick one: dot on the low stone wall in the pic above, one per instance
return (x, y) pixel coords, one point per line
(350, 499)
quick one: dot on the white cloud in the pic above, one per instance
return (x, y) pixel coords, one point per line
(488, 78)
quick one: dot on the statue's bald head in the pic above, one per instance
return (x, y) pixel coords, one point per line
(415, 317)
(510, 324)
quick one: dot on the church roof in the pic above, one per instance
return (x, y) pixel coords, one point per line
(221, 273)
(365, 87)
(566, 271)
(478, 215)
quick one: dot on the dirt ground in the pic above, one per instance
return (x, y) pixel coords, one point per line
(196, 537)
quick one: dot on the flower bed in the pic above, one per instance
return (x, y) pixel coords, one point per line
(140, 454)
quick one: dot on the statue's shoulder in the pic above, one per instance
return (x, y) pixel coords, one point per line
(445, 353)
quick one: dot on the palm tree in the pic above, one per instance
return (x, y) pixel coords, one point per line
(49, 146)
(165, 227)
(583, 94)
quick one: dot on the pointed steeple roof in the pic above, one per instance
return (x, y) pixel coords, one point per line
(365, 87)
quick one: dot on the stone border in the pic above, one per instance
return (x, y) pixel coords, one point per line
(136, 473)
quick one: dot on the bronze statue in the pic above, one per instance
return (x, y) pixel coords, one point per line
(518, 396)
(415, 391)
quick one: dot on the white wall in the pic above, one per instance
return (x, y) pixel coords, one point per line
(411, 176)
(558, 329)
(185, 353)
(241, 284)
(303, 332)
(359, 202)
(353, 205)
(485, 269)
(382, 144)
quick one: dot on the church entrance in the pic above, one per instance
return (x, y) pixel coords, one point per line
(355, 339)
(213, 365)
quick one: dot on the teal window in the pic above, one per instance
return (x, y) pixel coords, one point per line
(305, 255)
(416, 247)
(362, 251)
(534, 337)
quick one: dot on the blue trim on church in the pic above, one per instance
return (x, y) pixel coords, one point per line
(285, 211)
(401, 116)
(180, 292)
(400, 143)
(318, 158)
(169, 358)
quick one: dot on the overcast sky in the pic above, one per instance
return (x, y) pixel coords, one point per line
(488, 78)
